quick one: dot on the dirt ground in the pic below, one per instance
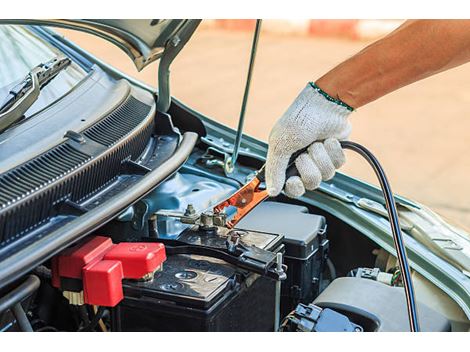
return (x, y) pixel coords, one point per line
(421, 134)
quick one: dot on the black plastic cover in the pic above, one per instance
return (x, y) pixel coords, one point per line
(300, 229)
(306, 247)
(190, 280)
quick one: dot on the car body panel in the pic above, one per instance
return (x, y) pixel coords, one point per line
(143, 40)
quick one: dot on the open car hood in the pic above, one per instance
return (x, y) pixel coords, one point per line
(143, 40)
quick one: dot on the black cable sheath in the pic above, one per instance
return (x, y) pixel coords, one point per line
(396, 231)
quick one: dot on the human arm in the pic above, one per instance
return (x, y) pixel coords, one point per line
(416, 50)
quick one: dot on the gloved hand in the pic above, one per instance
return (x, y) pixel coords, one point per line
(316, 120)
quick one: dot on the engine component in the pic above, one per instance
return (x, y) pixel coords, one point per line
(249, 250)
(206, 219)
(198, 293)
(381, 309)
(372, 274)
(91, 271)
(312, 318)
(217, 237)
(11, 306)
(306, 247)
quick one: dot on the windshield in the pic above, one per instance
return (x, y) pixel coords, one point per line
(20, 51)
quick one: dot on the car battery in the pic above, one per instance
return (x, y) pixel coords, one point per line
(306, 248)
(201, 293)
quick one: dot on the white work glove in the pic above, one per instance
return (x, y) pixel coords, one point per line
(313, 120)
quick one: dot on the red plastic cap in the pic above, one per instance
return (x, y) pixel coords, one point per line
(72, 260)
(138, 259)
(101, 265)
(102, 283)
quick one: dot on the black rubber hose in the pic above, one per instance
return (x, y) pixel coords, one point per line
(396, 231)
(83, 314)
(21, 318)
(12, 300)
(331, 269)
(18, 294)
(95, 320)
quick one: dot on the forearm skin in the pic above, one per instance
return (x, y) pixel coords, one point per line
(416, 50)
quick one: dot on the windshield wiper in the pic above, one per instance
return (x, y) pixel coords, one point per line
(24, 94)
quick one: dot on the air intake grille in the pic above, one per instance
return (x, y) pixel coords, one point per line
(118, 123)
(29, 192)
(38, 172)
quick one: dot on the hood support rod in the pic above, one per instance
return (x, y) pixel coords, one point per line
(229, 166)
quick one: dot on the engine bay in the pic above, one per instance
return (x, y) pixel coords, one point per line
(168, 262)
(157, 267)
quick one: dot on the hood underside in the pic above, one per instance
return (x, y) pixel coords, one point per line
(143, 40)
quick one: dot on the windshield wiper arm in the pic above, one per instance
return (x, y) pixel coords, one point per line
(24, 94)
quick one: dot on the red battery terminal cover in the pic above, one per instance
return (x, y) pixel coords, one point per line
(92, 271)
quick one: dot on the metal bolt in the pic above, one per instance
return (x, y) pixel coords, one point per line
(190, 210)
(206, 220)
(219, 219)
(237, 233)
(279, 262)
(175, 40)
(229, 167)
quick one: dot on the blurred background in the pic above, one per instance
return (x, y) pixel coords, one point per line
(421, 133)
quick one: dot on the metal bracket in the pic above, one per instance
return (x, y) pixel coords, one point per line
(210, 158)
(205, 219)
